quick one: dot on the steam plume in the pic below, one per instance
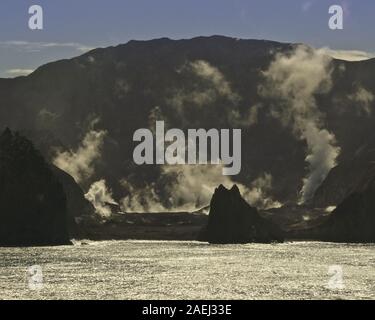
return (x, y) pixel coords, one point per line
(191, 188)
(101, 198)
(80, 163)
(294, 80)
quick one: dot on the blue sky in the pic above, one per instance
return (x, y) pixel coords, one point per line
(73, 26)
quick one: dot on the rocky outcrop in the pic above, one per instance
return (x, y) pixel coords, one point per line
(351, 186)
(233, 220)
(79, 209)
(33, 208)
(348, 177)
(354, 219)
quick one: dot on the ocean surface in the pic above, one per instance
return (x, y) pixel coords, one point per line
(188, 270)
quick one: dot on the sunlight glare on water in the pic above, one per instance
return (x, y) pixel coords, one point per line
(188, 270)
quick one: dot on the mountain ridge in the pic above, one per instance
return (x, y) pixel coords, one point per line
(164, 40)
(123, 85)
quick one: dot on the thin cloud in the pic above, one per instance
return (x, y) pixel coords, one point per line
(349, 55)
(306, 6)
(18, 72)
(38, 46)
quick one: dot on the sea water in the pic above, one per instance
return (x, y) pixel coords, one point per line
(188, 270)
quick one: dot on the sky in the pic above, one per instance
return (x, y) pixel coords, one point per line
(72, 27)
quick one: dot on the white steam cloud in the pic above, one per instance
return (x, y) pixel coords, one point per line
(257, 195)
(80, 164)
(212, 74)
(363, 100)
(211, 86)
(191, 189)
(294, 80)
(218, 87)
(101, 198)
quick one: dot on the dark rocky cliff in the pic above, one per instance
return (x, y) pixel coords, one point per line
(32, 201)
(349, 176)
(79, 209)
(354, 219)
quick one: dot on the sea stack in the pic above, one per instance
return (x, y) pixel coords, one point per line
(233, 220)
